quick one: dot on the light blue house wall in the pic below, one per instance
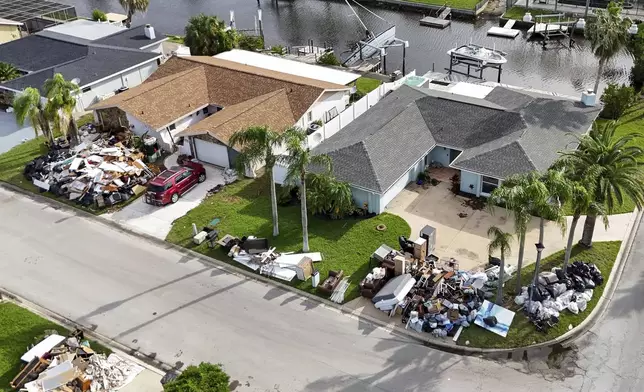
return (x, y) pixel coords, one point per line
(473, 179)
(361, 196)
(441, 155)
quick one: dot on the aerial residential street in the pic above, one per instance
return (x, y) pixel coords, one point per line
(156, 300)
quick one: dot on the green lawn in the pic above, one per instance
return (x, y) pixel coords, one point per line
(462, 4)
(366, 85)
(20, 328)
(84, 120)
(518, 12)
(522, 332)
(244, 209)
(177, 39)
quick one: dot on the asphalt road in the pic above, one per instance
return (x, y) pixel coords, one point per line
(156, 300)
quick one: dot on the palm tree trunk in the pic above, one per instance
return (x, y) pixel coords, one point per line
(520, 261)
(73, 131)
(589, 230)
(537, 264)
(600, 71)
(46, 128)
(130, 14)
(276, 230)
(499, 289)
(571, 237)
(305, 218)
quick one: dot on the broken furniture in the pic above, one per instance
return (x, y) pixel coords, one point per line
(304, 269)
(373, 282)
(254, 246)
(429, 234)
(393, 292)
(331, 282)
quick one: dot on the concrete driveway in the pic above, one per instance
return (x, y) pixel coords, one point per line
(465, 239)
(157, 221)
(12, 134)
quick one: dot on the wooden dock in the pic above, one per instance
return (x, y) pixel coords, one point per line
(441, 21)
(506, 31)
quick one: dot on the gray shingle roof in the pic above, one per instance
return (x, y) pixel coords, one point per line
(34, 52)
(48, 53)
(371, 151)
(133, 38)
(97, 63)
(506, 133)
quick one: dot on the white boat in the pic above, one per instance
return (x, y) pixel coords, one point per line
(479, 53)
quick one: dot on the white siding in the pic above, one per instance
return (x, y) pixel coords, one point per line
(131, 78)
(441, 155)
(139, 128)
(327, 101)
(187, 121)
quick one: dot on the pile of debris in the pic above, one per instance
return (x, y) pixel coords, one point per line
(100, 171)
(430, 294)
(70, 365)
(557, 291)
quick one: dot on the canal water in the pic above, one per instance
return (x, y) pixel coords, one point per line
(558, 69)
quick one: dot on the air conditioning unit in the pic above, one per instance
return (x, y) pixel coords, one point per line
(313, 127)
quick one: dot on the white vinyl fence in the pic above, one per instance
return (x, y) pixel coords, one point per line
(340, 121)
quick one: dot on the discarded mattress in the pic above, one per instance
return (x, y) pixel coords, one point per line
(394, 288)
(290, 259)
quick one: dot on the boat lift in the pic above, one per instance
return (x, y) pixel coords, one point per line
(552, 29)
(473, 64)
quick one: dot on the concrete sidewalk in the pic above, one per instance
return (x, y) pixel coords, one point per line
(465, 239)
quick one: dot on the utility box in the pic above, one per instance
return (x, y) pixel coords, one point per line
(429, 234)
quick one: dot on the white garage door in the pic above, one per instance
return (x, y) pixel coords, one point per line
(212, 153)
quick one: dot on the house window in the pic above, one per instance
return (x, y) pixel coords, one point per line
(309, 116)
(205, 110)
(172, 127)
(86, 89)
(488, 184)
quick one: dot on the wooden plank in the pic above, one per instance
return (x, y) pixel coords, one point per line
(510, 23)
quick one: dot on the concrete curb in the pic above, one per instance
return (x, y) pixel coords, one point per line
(136, 356)
(425, 339)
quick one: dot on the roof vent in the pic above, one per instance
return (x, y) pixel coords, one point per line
(588, 98)
(76, 81)
(149, 32)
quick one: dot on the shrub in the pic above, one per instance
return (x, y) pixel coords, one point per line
(277, 49)
(99, 16)
(637, 74)
(456, 184)
(250, 42)
(422, 177)
(203, 378)
(328, 58)
(326, 195)
(617, 99)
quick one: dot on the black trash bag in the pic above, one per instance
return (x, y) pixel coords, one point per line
(578, 283)
(490, 321)
(589, 283)
(537, 295)
(494, 260)
(568, 283)
(561, 275)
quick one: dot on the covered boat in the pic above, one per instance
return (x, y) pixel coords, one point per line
(479, 53)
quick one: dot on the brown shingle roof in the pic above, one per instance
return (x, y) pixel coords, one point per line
(183, 84)
(272, 110)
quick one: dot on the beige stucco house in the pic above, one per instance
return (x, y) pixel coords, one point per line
(9, 30)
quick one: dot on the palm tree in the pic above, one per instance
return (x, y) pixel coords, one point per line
(29, 105)
(132, 7)
(513, 194)
(258, 145)
(61, 103)
(500, 242)
(582, 202)
(8, 72)
(614, 165)
(608, 35)
(207, 35)
(299, 160)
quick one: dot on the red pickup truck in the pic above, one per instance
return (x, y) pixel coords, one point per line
(169, 185)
